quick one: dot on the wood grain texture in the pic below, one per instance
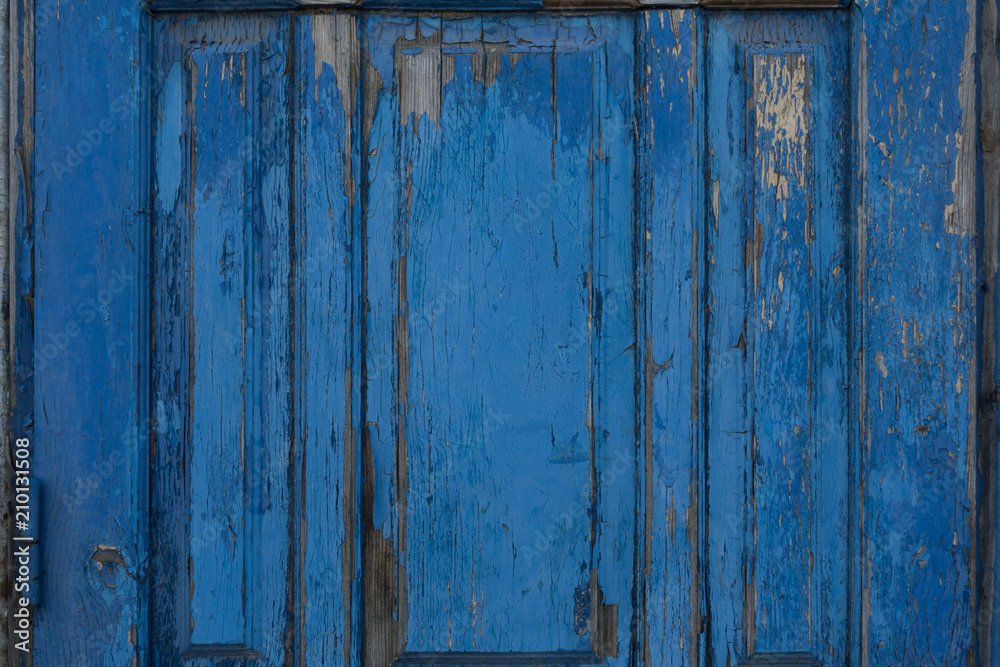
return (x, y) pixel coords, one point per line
(670, 202)
(7, 464)
(916, 182)
(497, 375)
(327, 334)
(12, 119)
(503, 443)
(79, 338)
(777, 441)
(219, 272)
(989, 114)
(221, 356)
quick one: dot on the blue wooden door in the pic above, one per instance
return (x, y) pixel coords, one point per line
(499, 339)
(469, 332)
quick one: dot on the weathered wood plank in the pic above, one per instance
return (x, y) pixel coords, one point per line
(989, 113)
(327, 165)
(670, 202)
(778, 355)
(221, 356)
(616, 376)
(382, 197)
(580, 6)
(782, 324)
(83, 187)
(8, 223)
(916, 182)
(80, 293)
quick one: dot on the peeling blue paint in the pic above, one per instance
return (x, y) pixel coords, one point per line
(647, 335)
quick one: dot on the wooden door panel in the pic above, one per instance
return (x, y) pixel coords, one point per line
(501, 357)
(221, 496)
(778, 324)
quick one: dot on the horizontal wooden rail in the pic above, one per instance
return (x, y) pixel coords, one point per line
(480, 5)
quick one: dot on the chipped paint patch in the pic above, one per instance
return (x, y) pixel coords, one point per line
(781, 91)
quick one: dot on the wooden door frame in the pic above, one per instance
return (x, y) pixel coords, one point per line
(15, 62)
(6, 500)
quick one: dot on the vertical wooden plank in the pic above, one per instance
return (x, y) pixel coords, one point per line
(778, 355)
(728, 374)
(328, 79)
(382, 199)
(617, 377)
(917, 183)
(221, 354)
(833, 447)
(440, 91)
(670, 201)
(7, 360)
(989, 114)
(269, 455)
(167, 522)
(218, 393)
(79, 335)
(19, 50)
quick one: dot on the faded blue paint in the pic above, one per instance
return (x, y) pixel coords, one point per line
(777, 294)
(920, 483)
(81, 187)
(222, 499)
(513, 367)
(170, 108)
(327, 364)
(492, 236)
(219, 395)
(670, 201)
